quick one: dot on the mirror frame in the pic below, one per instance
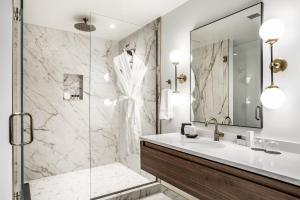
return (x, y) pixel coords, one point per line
(261, 64)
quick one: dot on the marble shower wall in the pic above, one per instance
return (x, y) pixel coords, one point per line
(62, 127)
(104, 120)
(210, 69)
(62, 140)
(145, 40)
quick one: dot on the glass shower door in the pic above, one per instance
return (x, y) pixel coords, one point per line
(50, 120)
(67, 104)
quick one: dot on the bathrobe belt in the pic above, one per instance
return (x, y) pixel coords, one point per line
(132, 105)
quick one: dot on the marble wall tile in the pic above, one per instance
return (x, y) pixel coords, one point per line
(66, 132)
(211, 77)
(104, 120)
(62, 140)
(145, 40)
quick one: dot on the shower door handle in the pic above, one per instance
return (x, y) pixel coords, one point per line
(11, 128)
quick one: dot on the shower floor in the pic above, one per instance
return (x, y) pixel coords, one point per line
(105, 179)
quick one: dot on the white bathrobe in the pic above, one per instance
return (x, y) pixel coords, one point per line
(129, 76)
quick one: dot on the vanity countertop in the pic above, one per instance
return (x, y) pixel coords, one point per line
(284, 167)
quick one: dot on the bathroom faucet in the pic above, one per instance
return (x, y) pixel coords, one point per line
(217, 133)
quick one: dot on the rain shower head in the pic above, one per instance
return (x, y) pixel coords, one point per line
(84, 26)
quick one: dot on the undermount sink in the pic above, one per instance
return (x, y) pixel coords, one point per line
(203, 143)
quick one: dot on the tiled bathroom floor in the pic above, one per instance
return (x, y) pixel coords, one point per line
(76, 185)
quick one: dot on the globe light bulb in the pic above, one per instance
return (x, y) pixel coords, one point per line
(271, 29)
(272, 97)
(176, 56)
(177, 99)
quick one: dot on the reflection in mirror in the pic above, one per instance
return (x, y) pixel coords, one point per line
(226, 70)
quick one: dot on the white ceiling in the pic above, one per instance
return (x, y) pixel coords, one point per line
(127, 15)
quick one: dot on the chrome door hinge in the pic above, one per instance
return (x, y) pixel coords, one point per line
(17, 14)
(17, 196)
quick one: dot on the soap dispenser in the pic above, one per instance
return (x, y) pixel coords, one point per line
(182, 127)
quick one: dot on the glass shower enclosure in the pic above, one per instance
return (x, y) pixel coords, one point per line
(67, 127)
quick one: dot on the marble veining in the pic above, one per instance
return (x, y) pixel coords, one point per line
(61, 127)
(145, 42)
(66, 132)
(211, 76)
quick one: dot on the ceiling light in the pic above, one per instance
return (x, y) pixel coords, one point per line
(112, 26)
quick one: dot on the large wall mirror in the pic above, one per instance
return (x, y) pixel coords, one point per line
(226, 70)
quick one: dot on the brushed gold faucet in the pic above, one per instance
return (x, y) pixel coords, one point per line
(217, 133)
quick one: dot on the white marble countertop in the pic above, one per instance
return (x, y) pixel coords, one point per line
(284, 167)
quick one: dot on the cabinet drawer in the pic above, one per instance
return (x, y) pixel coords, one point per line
(209, 180)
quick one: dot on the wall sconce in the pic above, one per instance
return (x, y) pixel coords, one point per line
(176, 57)
(270, 31)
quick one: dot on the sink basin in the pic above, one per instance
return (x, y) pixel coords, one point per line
(200, 143)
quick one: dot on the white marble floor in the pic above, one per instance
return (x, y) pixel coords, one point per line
(76, 185)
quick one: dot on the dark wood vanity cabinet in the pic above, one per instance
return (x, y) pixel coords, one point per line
(208, 180)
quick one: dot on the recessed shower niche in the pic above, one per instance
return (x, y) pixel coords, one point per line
(73, 87)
